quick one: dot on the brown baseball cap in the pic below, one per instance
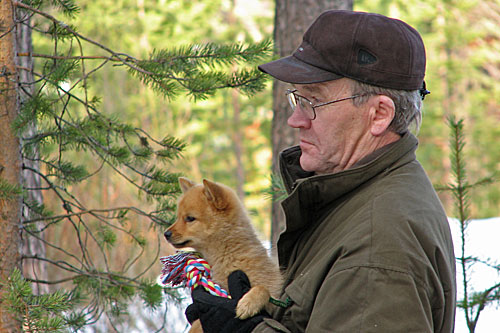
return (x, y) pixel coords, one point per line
(366, 47)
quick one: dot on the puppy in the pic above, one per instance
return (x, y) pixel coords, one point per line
(212, 220)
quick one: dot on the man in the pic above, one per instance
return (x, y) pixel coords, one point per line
(367, 246)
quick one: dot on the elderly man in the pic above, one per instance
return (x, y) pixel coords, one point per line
(367, 246)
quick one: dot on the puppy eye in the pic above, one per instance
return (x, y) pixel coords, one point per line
(189, 218)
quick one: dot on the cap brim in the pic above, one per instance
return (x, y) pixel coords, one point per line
(292, 70)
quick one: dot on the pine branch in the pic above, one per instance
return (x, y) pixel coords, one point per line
(67, 7)
(9, 191)
(68, 57)
(38, 313)
(167, 70)
(71, 124)
(120, 214)
(276, 191)
(473, 302)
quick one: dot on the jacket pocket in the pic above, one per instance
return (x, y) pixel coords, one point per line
(296, 315)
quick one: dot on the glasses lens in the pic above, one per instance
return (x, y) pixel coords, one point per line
(305, 106)
(302, 102)
(291, 99)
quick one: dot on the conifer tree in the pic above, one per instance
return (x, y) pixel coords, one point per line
(473, 302)
(9, 161)
(71, 129)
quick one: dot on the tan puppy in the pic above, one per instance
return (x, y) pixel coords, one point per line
(212, 220)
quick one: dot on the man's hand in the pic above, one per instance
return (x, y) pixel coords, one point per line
(218, 314)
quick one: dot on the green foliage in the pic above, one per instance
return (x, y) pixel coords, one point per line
(160, 182)
(37, 313)
(115, 292)
(39, 209)
(152, 295)
(8, 191)
(66, 172)
(59, 71)
(166, 212)
(96, 157)
(196, 68)
(277, 190)
(106, 237)
(460, 38)
(31, 111)
(474, 301)
(67, 7)
(460, 187)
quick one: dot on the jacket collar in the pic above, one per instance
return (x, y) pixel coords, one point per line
(310, 194)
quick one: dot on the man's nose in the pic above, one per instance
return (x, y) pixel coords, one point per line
(298, 119)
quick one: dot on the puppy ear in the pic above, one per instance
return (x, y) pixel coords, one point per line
(215, 194)
(185, 184)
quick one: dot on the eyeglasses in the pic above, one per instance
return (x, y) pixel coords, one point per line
(306, 105)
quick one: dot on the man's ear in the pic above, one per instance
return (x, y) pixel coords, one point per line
(215, 194)
(185, 184)
(381, 114)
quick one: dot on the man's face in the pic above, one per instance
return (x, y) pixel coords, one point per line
(331, 142)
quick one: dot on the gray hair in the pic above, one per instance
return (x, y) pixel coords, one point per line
(408, 103)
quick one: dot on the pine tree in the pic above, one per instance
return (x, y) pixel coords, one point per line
(473, 301)
(38, 313)
(72, 132)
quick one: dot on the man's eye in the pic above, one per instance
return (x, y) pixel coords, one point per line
(189, 218)
(302, 102)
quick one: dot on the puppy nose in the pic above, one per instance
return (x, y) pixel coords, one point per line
(168, 234)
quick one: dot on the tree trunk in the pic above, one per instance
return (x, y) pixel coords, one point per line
(292, 18)
(32, 246)
(10, 162)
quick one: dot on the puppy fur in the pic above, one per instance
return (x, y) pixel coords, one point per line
(212, 220)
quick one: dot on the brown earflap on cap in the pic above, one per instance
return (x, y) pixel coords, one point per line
(366, 47)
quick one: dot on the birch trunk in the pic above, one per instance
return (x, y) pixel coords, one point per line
(32, 245)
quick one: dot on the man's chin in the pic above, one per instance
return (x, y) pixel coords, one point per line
(307, 164)
(310, 164)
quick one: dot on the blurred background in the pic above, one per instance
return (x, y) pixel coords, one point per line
(229, 135)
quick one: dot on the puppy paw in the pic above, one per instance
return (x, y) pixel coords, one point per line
(196, 327)
(252, 302)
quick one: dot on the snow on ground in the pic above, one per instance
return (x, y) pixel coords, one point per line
(482, 242)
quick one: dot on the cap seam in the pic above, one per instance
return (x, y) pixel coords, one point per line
(396, 73)
(395, 87)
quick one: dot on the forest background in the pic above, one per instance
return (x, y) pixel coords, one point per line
(228, 135)
(462, 43)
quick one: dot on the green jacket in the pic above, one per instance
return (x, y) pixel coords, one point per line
(367, 249)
